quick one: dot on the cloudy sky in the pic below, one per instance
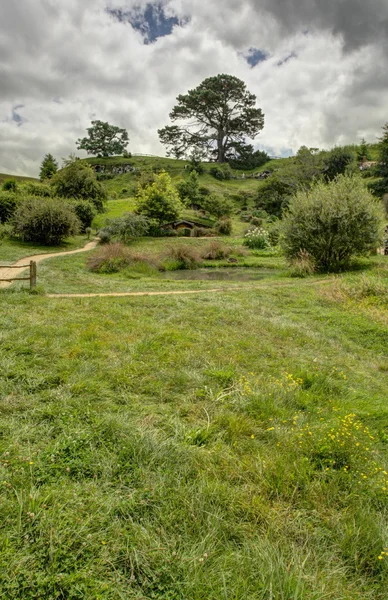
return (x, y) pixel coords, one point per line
(317, 67)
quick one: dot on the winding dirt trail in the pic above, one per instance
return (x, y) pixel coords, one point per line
(6, 272)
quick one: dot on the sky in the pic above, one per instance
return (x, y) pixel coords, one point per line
(317, 67)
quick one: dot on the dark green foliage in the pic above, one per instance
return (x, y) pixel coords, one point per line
(30, 188)
(363, 151)
(160, 200)
(48, 167)
(47, 221)
(78, 180)
(244, 157)
(85, 211)
(8, 204)
(188, 189)
(10, 185)
(380, 187)
(216, 205)
(104, 140)
(337, 162)
(224, 226)
(195, 164)
(221, 173)
(128, 227)
(333, 223)
(220, 111)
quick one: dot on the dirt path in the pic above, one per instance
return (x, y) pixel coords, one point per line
(6, 272)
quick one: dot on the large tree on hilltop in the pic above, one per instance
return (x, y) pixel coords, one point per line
(104, 140)
(216, 115)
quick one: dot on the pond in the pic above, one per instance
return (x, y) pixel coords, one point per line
(236, 274)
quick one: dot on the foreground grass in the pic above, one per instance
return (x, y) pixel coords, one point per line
(230, 446)
(12, 250)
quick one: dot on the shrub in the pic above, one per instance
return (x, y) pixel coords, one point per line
(216, 205)
(77, 180)
(46, 221)
(257, 239)
(113, 258)
(10, 185)
(31, 188)
(274, 234)
(257, 221)
(224, 226)
(159, 200)
(204, 191)
(184, 257)
(127, 227)
(302, 265)
(333, 222)
(216, 251)
(188, 189)
(6, 230)
(202, 232)
(8, 205)
(104, 236)
(221, 173)
(86, 212)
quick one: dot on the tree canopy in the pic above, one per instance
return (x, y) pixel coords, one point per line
(48, 167)
(216, 115)
(104, 140)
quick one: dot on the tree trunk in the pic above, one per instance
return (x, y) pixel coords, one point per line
(220, 147)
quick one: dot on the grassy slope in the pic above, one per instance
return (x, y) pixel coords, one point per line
(5, 176)
(196, 447)
(11, 249)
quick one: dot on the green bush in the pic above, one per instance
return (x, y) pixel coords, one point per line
(6, 230)
(85, 211)
(159, 200)
(221, 173)
(77, 180)
(10, 185)
(127, 227)
(218, 206)
(257, 239)
(8, 205)
(46, 221)
(183, 257)
(224, 226)
(36, 189)
(333, 223)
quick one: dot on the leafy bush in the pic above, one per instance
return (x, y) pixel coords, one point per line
(337, 162)
(10, 185)
(216, 251)
(274, 234)
(256, 221)
(221, 173)
(104, 236)
(188, 189)
(216, 205)
(46, 221)
(257, 239)
(159, 200)
(85, 211)
(302, 265)
(224, 226)
(244, 157)
(333, 222)
(6, 230)
(8, 204)
(202, 232)
(184, 256)
(127, 227)
(77, 180)
(31, 188)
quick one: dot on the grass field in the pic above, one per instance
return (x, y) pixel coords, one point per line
(219, 446)
(12, 249)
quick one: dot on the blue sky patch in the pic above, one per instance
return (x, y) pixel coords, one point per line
(151, 22)
(15, 115)
(254, 56)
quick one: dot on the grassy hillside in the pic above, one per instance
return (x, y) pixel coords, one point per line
(5, 176)
(229, 445)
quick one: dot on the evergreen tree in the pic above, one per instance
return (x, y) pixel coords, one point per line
(216, 115)
(48, 167)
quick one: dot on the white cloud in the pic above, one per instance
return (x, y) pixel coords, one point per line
(68, 61)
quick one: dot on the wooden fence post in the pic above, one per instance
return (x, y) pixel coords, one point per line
(32, 274)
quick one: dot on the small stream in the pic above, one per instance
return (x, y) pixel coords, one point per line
(236, 274)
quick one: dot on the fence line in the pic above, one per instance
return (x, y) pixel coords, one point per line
(31, 278)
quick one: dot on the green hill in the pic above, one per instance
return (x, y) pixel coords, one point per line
(5, 176)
